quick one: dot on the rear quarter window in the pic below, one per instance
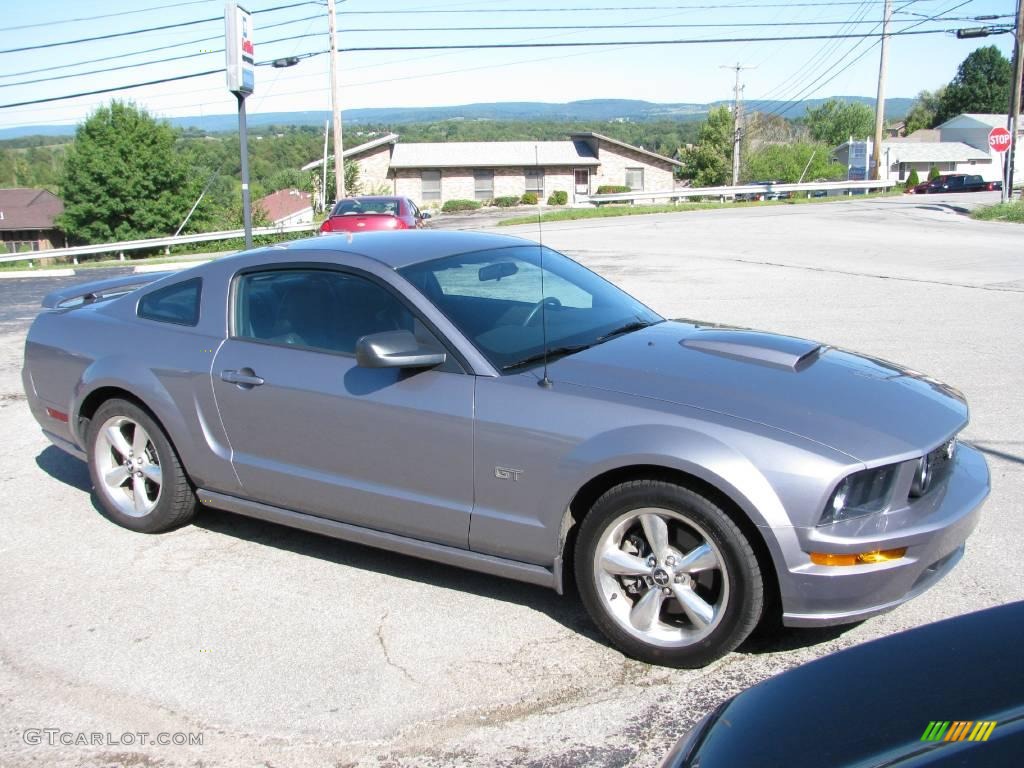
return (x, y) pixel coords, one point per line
(177, 304)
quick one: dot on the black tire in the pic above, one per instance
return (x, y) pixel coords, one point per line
(175, 502)
(738, 569)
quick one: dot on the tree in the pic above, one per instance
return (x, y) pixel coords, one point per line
(924, 110)
(836, 121)
(123, 178)
(709, 162)
(786, 163)
(933, 173)
(982, 84)
(913, 179)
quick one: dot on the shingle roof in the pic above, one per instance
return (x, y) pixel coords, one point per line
(22, 208)
(624, 145)
(285, 203)
(932, 152)
(390, 138)
(492, 154)
(992, 121)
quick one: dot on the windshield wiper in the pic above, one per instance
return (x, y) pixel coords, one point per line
(553, 352)
(636, 325)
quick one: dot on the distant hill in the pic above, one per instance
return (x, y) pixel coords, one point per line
(592, 110)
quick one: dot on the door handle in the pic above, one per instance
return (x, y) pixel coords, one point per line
(243, 378)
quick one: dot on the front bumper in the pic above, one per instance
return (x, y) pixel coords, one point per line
(817, 595)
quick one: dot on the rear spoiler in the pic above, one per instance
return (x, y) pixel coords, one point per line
(87, 293)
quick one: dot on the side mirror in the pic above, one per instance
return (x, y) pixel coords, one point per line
(396, 349)
(424, 214)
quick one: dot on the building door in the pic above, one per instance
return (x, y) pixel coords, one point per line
(582, 178)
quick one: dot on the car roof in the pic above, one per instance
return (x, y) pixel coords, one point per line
(400, 249)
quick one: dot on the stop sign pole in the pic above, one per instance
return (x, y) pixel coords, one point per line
(1000, 140)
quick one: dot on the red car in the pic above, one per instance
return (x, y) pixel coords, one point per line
(361, 214)
(956, 182)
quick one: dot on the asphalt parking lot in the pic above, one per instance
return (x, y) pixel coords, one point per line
(286, 649)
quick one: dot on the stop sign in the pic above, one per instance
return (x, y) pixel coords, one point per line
(999, 139)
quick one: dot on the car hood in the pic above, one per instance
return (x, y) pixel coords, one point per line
(866, 408)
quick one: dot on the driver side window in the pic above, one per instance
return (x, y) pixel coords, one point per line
(314, 309)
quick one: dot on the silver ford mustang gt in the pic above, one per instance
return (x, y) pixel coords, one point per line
(485, 402)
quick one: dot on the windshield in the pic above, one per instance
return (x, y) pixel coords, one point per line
(355, 206)
(494, 298)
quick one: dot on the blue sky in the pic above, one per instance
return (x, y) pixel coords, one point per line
(671, 73)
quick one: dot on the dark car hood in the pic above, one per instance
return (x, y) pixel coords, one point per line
(868, 409)
(871, 704)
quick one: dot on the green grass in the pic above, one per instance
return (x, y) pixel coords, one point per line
(1001, 212)
(606, 210)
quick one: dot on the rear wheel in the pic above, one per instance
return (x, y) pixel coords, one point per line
(136, 473)
(667, 575)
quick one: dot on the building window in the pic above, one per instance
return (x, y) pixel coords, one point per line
(635, 179)
(483, 185)
(431, 185)
(534, 180)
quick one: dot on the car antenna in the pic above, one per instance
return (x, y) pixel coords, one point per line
(544, 382)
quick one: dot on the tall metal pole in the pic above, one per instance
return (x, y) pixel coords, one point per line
(1013, 122)
(737, 122)
(243, 141)
(876, 149)
(323, 168)
(339, 161)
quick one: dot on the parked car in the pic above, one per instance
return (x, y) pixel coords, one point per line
(957, 182)
(358, 214)
(422, 393)
(947, 694)
(768, 194)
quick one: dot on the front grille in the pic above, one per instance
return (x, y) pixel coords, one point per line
(933, 468)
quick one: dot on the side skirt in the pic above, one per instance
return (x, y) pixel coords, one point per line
(461, 558)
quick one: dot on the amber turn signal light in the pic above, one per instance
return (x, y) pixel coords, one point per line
(864, 558)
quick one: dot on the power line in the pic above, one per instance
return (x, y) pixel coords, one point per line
(103, 16)
(161, 28)
(114, 88)
(690, 41)
(619, 8)
(847, 22)
(148, 63)
(155, 49)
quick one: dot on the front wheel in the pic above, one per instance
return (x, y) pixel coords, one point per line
(666, 575)
(136, 473)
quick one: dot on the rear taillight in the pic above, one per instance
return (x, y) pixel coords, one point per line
(326, 226)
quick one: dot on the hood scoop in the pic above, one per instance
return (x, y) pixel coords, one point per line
(779, 351)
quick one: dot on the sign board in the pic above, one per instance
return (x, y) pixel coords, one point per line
(999, 139)
(240, 57)
(858, 161)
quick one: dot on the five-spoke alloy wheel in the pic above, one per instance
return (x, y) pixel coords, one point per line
(667, 575)
(135, 470)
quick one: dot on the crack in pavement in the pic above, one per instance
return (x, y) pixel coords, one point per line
(384, 647)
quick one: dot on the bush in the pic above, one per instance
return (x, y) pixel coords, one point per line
(529, 198)
(913, 179)
(561, 197)
(453, 206)
(933, 173)
(612, 189)
(508, 201)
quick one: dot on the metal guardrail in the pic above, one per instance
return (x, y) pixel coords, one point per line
(743, 189)
(155, 242)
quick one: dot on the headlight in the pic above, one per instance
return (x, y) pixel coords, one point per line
(862, 493)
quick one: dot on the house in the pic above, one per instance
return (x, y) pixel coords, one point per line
(27, 220)
(288, 206)
(432, 173)
(959, 145)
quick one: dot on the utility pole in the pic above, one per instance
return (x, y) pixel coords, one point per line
(876, 149)
(1013, 123)
(737, 121)
(339, 160)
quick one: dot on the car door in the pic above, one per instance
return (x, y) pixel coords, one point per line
(311, 431)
